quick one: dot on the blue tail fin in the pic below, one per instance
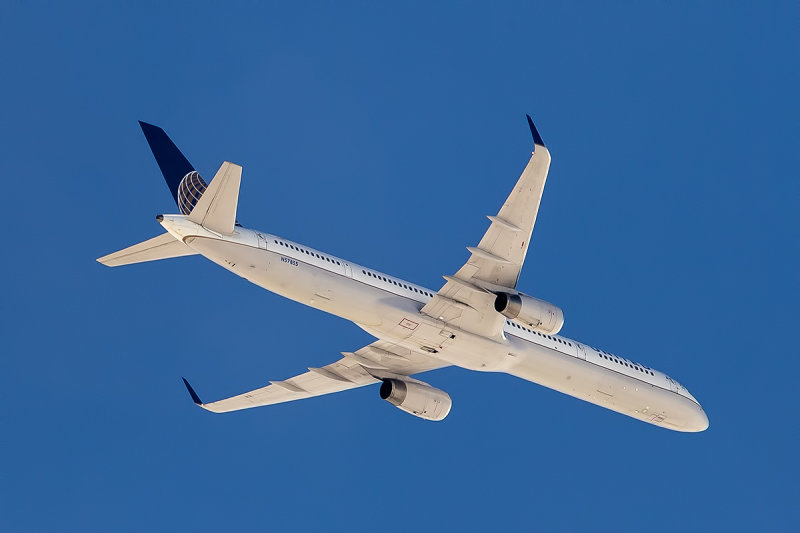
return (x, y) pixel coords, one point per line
(174, 166)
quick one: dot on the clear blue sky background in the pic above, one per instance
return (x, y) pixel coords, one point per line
(668, 233)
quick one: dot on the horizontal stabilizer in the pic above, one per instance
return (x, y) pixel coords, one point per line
(162, 247)
(216, 209)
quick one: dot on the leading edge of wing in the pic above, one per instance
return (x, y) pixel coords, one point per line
(370, 364)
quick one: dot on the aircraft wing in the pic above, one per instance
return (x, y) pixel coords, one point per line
(467, 299)
(368, 365)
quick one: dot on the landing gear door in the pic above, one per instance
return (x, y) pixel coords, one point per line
(432, 335)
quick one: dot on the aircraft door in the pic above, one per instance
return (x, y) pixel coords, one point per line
(262, 241)
(581, 351)
(673, 386)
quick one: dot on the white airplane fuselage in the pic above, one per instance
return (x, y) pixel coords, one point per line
(389, 309)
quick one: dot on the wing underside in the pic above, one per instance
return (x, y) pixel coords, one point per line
(366, 366)
(467, 298)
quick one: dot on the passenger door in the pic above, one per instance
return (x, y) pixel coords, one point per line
(581, 352)
(262, 241)
(673, 386)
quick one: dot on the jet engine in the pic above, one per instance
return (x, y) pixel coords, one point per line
(418, 399)
(531, 312)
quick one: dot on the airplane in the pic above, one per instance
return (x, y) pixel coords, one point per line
(477, 320)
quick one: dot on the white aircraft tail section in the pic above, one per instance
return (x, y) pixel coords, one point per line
(213, 206)
(162, 247)
(216, 208)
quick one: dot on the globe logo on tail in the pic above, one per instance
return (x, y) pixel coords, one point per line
(190, 190)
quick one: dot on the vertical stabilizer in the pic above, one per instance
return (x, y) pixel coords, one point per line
(173, 164)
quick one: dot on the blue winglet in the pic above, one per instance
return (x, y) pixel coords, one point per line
(537, 139)
(195, 397)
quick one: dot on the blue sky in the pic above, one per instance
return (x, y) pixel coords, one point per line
(384, 134)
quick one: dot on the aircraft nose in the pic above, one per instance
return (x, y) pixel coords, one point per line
(698, 420)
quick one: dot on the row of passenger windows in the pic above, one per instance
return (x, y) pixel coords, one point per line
(387, 280)
(602, 354)
(556, 339)
(304, 251)
(623, 362)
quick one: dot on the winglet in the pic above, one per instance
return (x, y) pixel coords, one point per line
(537, 139)
(195, 397)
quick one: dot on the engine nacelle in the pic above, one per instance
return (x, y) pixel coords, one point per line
(418, 399)
(531, 312)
